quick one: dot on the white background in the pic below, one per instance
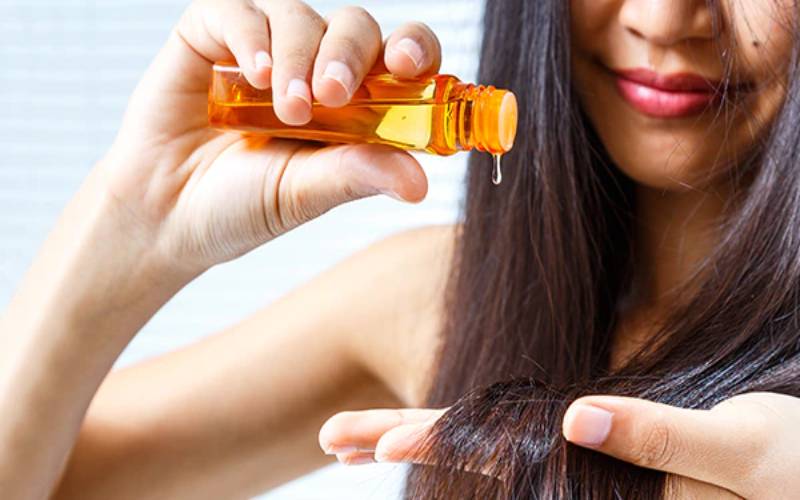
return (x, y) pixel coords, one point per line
(67, 69)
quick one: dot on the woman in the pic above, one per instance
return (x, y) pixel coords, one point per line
(540, 286)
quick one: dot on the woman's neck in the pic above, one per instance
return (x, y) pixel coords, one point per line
(674, 232)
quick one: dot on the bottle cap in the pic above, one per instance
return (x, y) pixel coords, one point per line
(507, 126)
(495, 120)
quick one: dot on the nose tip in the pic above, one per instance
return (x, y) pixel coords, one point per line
(667, 22)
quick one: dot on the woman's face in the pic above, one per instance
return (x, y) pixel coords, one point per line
(647, 73)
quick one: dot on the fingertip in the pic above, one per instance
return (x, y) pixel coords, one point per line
(262, 60)
(295, 107)
(405, 58)
(400, 175)
(262, 70)
(381, 455)
(327, 436)
(255, 69)
(335, 87)
(355, 458)
(260, 80)
(586, 425)
(324, 440)
(330, 93)
(412, 186)
(384, 451)
(402, 443)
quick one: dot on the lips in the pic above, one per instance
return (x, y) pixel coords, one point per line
(677, 95)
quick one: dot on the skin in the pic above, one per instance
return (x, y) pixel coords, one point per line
(685, 170)
(147, 221)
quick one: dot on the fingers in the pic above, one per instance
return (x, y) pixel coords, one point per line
(354, 432)
(356, 458)
(348, 51)
(211, 31)
(692, 489)
(715, 447)
(287, 45)
(316, 180)
(403, 443)
(413, 50)
(296, 31)
(246, 33)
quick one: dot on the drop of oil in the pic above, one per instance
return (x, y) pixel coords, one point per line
(497, 170)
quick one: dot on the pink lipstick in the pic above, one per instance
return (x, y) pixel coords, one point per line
(677, 95)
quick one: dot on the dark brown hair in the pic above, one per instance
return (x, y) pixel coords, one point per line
(543, 265)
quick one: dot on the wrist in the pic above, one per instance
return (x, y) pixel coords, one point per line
(93, 285)
(99, 261)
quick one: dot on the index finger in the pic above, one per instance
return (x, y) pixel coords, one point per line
(217, 31)
(413, 50)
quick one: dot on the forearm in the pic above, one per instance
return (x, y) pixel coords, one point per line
(90, 289)
(228, 417)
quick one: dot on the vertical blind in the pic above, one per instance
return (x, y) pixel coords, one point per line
(67, 69)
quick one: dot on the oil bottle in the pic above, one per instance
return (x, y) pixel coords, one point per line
(440, 114)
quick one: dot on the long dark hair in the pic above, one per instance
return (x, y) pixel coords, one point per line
(543, 265)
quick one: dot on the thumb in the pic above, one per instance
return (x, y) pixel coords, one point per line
(317, 180)
(713, 447)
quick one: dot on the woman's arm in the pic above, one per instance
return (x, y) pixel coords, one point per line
(81, 302)
(239, 412)
(172, 198)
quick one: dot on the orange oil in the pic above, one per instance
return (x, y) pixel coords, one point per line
(439, 115)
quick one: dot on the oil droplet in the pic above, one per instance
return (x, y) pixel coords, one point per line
(497, 170)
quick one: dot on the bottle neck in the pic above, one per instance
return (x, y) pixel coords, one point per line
(487, 119)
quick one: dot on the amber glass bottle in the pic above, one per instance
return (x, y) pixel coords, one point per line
(440, 114)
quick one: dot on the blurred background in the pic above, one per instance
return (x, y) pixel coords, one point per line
(67, 69)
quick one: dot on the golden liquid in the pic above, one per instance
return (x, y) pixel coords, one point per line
(440, 115)
(406, 125)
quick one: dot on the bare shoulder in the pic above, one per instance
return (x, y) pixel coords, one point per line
(396, 289)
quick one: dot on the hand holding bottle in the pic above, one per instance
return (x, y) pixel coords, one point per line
(209, 196)
(173, 197)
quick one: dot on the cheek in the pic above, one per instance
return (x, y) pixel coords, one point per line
(764, 30)
(590, 18)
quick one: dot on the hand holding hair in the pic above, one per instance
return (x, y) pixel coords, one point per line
(749, 444)
(172, 198)
(746, 446)
(382, 435)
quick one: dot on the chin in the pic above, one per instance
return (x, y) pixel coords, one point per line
(676, 174)
(661, 179)
(669, 161)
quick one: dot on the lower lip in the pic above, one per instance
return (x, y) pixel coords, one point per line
(659, 103)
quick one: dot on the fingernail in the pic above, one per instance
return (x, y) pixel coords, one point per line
(263, 60)
(341, 73)
(412, 49)
(355, 460)
(299, 88)
(381, 456)
(587, 425)
(336, 450)
(391, 193)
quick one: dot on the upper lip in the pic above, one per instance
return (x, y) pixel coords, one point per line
(673, 82)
